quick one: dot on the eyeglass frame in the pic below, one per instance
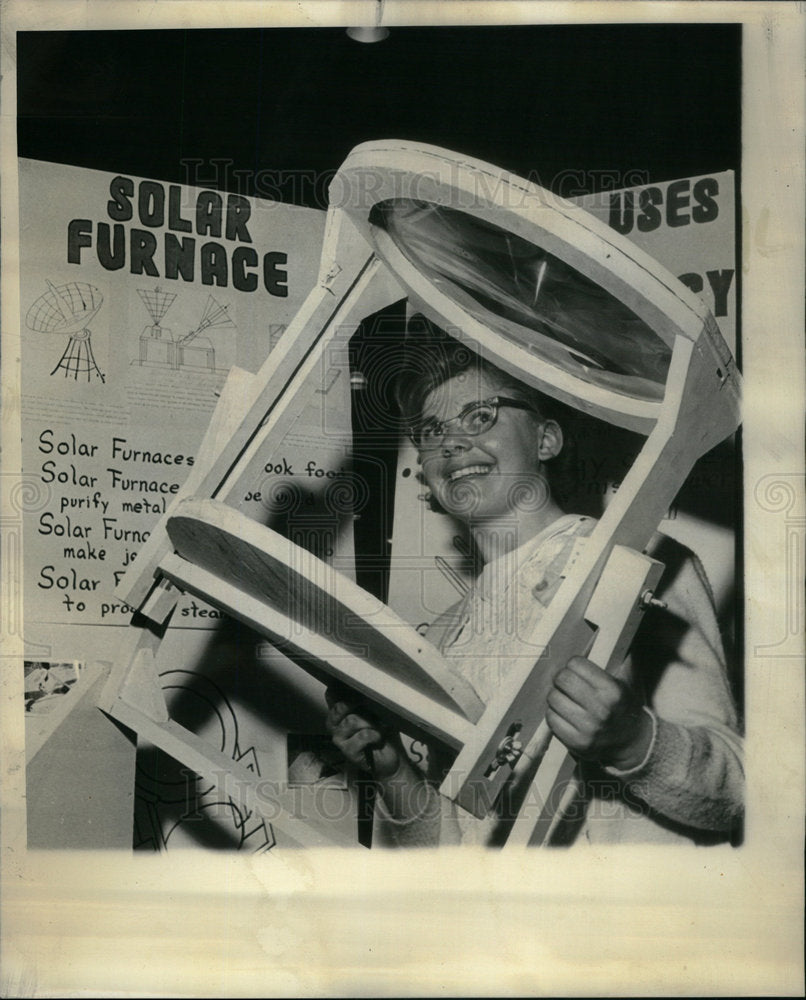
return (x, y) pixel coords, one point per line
(496, 402)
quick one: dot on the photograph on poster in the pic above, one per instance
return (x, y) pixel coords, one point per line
(383, 457)
(46, 682)
(494, 319)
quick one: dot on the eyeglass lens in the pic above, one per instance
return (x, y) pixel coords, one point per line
(474, 419)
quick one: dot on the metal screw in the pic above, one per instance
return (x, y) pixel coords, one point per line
(508, 752)
(648, 600)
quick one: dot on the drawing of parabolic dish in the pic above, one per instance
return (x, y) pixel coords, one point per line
(66, 310)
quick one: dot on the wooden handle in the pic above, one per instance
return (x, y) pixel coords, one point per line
(616, 608)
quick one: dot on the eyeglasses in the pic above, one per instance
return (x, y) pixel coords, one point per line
(474, 419)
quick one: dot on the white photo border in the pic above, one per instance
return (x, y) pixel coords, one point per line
(625, 921)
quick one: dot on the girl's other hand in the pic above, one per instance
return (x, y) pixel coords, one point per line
(598, 717)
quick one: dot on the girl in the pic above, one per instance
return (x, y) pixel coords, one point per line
(657, 743)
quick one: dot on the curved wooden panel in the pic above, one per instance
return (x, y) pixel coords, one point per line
(268, 567)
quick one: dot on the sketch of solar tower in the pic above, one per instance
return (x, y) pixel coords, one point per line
(66, 310)
(163, 348)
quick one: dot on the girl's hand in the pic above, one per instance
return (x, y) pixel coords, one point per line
(598, 717)
(359, 736)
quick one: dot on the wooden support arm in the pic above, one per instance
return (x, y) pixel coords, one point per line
(616, 609)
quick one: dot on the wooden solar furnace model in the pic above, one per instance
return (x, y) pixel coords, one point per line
(546, 292)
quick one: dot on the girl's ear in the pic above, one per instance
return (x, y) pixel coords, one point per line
(551, 440)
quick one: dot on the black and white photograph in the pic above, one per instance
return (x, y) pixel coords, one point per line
(403, 499)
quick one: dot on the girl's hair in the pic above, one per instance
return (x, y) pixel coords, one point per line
(432, 357)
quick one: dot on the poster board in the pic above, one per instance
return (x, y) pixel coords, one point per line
(131, 319)
(630, 924)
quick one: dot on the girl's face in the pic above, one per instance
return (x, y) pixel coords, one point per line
(494, 474)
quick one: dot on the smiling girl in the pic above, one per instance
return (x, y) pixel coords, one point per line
(657, 742)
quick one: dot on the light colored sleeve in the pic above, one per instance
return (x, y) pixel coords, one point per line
(422, 830)
(693, 772)
(433, 821)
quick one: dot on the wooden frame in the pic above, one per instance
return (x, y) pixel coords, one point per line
(362, 271)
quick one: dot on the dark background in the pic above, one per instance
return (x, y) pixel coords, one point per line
(570, 106)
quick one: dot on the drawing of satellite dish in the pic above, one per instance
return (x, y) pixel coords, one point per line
(67, 310)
